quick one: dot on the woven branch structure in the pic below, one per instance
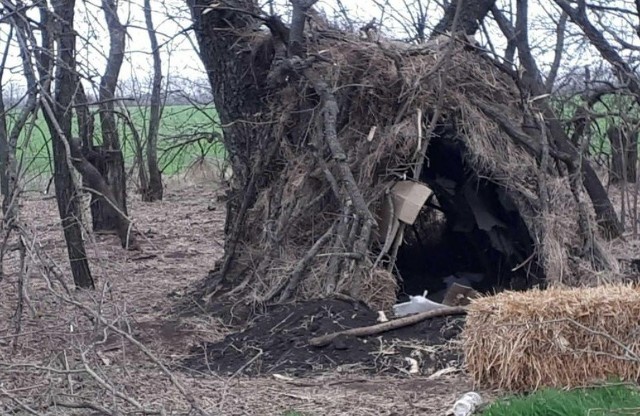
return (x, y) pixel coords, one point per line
(353, 118)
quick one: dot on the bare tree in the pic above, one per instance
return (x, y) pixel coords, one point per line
(104, 216)
(102, 167)
(622, 69)
(7, 168)
(532, 83)
(4, 143)
(624, 152)
(557, 54)
(59, 117)
(471, 13)
(26, 113)
(154, 190)
(612, 32)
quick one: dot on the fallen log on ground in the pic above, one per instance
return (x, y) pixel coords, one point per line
(388, 326)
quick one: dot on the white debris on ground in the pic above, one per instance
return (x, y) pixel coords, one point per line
(416, 304)
(467, 404)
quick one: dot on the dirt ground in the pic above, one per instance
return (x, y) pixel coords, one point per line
(277, 343)
(60, 359)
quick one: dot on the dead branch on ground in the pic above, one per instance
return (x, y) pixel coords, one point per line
(388, 326)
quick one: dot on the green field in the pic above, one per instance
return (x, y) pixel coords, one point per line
(610, 110)
(597, 401)
(186, 134)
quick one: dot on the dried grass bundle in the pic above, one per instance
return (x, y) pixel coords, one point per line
(560, 337)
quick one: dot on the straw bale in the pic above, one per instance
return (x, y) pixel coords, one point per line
(560, 337)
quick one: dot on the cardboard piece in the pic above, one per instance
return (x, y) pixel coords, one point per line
(408, 199)
(459, 295)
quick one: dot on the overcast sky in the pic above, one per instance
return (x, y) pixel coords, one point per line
(180, 59)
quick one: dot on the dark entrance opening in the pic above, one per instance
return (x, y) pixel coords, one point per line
(469, 231)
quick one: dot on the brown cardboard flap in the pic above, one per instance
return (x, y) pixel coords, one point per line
(408, 199)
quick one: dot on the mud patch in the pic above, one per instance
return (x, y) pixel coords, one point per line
(277, 342)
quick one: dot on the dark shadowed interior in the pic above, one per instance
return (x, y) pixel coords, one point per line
(469, 232)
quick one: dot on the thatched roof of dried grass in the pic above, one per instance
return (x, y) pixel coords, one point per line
(560, 337)
(380, 90)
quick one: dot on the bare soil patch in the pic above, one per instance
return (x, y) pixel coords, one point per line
(277, 342)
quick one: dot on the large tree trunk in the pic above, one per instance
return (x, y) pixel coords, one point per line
(237, 75)
(154, 190)
(470, 15)
(59, 122)
(105, 217)
(95, 182)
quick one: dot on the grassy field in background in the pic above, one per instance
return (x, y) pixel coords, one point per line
(596, 401)
(605, 112)
(186, 134)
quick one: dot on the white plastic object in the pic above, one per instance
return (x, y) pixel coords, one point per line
(467, 404)
(416, 304)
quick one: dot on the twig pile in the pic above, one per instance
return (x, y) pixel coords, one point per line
(357, 117)
(559, 337)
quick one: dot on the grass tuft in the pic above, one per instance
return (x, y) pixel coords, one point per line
(620, 399)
